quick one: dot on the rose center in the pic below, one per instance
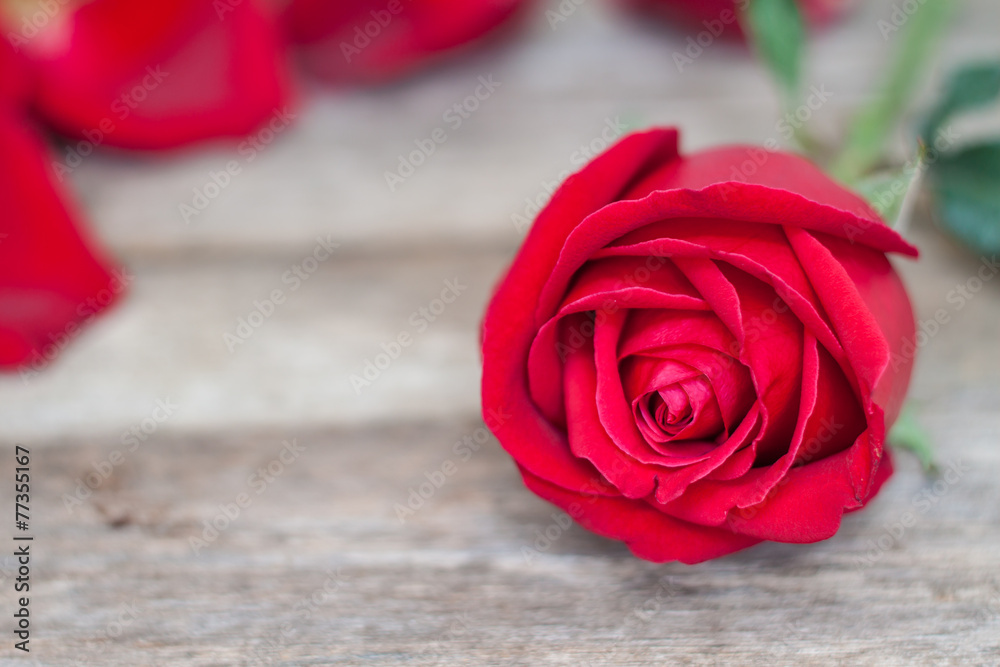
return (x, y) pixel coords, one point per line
(668, 410)
(684, 410)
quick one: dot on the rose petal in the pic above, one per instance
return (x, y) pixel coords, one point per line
(638, 471)
(650, 534)
(707, 419)
(631, 282)
(643, 375)
(674, 482)
(736, 465)
(723, 200)
(588, 438)
(527, 435)
(883, 292)
(681, 390)
(861, 334)
(602, 287)
(810, 505)
(779, 186)
(648, 330)
(770, 344)
(338, 44)
(761, 250)
(830, 420)
(730, 380)
(613, 408)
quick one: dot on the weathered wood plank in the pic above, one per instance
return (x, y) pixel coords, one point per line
(466, 579)
(167, 342)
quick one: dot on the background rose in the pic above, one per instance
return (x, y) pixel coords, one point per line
(693, 363)
(374, 40)
(159, 74)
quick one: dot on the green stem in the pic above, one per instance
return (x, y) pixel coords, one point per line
(871, 128)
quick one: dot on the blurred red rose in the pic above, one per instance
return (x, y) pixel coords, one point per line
(51, 282)
(374, 40)
(159, 74)
(700, 352)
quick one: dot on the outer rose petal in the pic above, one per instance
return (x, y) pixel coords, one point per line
(162, 73)
(832, 211)
(809, 506)
(365, 41)
(650, 534)
(50, 280)
(508, 330)
(883, 292)
(870, 345)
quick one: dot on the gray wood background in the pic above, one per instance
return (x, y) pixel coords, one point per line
(318, 569)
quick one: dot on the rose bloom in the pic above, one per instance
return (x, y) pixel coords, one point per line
(375, 40)
(699, 353)
(156, 74)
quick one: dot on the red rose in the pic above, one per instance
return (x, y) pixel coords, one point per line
(374, 40)
(50, 280)
(719, 17)
(161, 73)
(694, 364)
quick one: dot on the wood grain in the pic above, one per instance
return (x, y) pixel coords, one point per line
(467, 579)
(168, 341)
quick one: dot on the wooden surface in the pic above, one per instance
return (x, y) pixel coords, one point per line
(318, 568)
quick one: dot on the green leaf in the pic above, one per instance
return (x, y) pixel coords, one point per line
(886, 191)
(972, 86)
(777, 32)
(874, 124)
(966, 185)
(907, 434)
